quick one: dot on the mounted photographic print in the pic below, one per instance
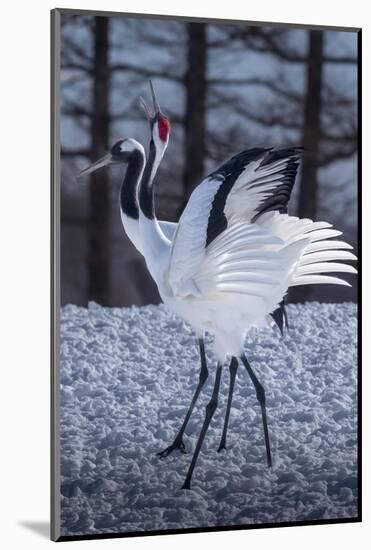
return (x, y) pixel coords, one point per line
(205, 266)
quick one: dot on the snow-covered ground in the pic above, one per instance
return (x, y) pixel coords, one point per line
(127, 378)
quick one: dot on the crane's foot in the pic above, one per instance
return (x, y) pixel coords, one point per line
(177, 445)
(222, 447)
(187, 484)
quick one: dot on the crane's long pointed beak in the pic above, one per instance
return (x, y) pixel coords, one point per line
(156, 105)
(147, 111)
(104, 161)
(151, 112)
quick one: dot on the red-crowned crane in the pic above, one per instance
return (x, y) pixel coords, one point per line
(160, 128)
(234, 254)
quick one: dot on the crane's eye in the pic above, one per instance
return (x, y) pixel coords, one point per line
(116, 149)
(164, 128)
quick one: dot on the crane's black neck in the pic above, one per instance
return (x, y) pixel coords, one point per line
(128, 192)
(146, 190)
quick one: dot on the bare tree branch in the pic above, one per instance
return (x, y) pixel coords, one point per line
(327, 158)
(67, 64)
(72, 47)
(270, 41)
(268, 114)
(338, 138)
(263, 82)
(76, 110)
(75, 152)
(148, 73)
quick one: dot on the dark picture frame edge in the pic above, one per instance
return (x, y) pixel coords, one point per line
(198, 530)
(55, 278)
(360, 266)
(103, 13)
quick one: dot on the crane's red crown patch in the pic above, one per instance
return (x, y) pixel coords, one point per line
(164, 128)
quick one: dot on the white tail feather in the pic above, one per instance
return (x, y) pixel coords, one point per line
(227, 288)
(319, 279)
(323, 267)
(328, 245)
(318, 255)
(321, 234)
(326, 256)
(243, 278)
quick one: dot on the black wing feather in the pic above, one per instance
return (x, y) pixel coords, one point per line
(229, 172)
(279, 316)
(281, 195)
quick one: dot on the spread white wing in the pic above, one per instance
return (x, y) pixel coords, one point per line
(223, 207)
(168, 229)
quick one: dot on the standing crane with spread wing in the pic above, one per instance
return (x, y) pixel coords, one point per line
(233, 255)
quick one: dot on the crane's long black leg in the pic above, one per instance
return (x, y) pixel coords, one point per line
(260, 394)
(204, 373)
(233, 366)
(210, 409)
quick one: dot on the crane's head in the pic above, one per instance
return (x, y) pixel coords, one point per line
(120, 153)
(159, 123)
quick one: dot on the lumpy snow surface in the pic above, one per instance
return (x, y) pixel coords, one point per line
(127, 378)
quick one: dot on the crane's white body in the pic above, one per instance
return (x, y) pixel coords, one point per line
(275, 259)
(131, 227)
(235, 282)
(230, 260)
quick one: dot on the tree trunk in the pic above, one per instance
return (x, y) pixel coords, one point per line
(312, 127)
(98, 225)
(311, 137)
(196, 89)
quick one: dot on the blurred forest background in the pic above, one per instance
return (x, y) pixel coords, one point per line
(225, 87)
